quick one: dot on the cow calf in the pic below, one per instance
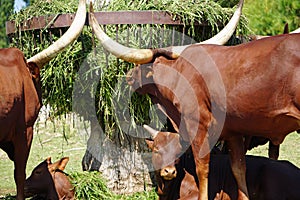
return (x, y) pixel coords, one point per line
(48, 181)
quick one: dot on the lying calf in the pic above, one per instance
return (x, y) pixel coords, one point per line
(48, 181)
(266, 179)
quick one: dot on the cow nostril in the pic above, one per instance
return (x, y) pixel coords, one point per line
(170, 171)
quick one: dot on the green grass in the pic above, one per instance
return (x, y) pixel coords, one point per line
(289, 149)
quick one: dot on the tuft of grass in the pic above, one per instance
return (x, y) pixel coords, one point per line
(92, 186)
(151, 195)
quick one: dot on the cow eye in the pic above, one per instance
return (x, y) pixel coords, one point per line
(38, 172)
(155, 150)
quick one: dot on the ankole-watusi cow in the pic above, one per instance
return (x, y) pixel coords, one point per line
(220, 92)
(20, 96)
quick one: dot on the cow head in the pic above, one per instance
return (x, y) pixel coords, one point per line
(48, 180)
(166, 149)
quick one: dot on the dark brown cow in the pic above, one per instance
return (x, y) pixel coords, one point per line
(20, 96)
(48, 181)
(176, 177)
(221, 92)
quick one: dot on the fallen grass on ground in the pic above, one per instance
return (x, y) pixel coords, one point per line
(90, 185)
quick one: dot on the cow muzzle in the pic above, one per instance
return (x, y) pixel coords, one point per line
(168, 173)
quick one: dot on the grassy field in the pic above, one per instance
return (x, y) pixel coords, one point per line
(60, 139)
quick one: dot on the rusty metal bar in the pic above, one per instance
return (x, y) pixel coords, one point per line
(63, 20)
(135, 17)
(114, 17)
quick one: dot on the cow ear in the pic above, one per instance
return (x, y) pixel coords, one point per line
(59, 165)
(48, 160)
(150, 144)
(34, 70)
(146, 71)
(62, 163)
(149, 72)
(286, 28)
(51, 167)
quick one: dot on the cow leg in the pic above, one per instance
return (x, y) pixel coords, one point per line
(21, 149)
(202, 166)
(273, 151)
(238, 165)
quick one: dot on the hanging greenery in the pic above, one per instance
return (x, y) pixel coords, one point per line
(59, 75)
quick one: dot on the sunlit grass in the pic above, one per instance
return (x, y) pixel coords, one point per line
(289, 149)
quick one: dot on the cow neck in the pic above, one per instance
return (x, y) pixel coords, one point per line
(169, 189)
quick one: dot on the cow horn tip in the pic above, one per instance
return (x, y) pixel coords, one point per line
(152, 131)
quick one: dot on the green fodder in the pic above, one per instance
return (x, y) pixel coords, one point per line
(151, 195)
(59, 75)
(188, 12)
(92, 186)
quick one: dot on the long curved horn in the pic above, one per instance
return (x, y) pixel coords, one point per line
(152, 131)
(223, 36)
(142, 56)
(66, 39)
(138, 56)
(296, 31)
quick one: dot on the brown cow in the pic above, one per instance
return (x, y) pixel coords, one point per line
(176, 177)
(20, 96)
(221, 92)
(147, 56)
(48, 181)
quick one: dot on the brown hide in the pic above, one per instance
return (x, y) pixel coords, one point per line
(254, 85)
(20, 102)
(252, 141)
(266, 179)
(48, 181)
